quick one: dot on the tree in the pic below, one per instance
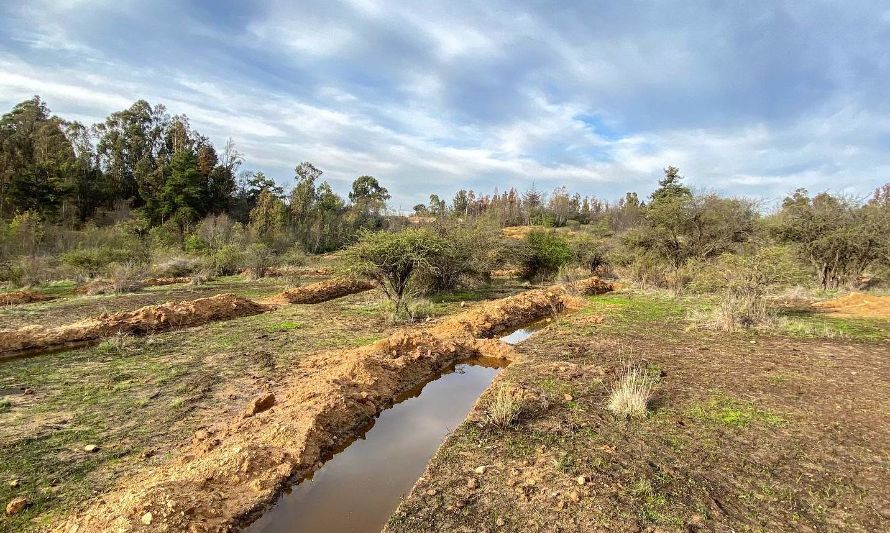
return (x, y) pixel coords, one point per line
(838, 237)
(391, 260)
(184, 196)
(670, 186)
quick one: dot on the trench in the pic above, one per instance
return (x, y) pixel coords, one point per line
(362, 483)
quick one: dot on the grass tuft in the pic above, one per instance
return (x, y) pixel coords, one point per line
(631, 394)
(503, 410)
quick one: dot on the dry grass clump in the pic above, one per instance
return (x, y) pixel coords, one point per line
(503, 409)
(631, 393)
(125, 277)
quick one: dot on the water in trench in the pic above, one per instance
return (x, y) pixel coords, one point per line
(358, 489)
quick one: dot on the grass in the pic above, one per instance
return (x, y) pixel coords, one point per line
(503, 409)
(727, 411)
(820, 326)
(624, 308)
(630, 395)
(5, 405)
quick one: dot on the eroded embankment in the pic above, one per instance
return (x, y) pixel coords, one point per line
(148, 319)
(23, 297)
(167, 316)
(229, 474)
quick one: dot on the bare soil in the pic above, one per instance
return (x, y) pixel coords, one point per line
(321, 291)
(858, 304)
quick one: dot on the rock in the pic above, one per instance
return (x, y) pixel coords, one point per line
(472, 484)
(16, 505)
(431, 492)
(581, 480)
(530, 482)
(29, 391)
(91, 448)
(146, 518)
(14, 483)
(463, 304)
(568, 397)
(480, 469)
(574, 496)
(499, 522)
(259, 404)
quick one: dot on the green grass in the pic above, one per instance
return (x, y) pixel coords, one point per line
(284, 326)
(5, 405)
(727, 411)
(635, 308)
(814, 325)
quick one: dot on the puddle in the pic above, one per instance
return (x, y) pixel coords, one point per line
(359, 488)
(524, 333)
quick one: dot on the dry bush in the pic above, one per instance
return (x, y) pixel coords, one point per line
(631, 393)
(125, 277)
(175, 267)
(503, 409)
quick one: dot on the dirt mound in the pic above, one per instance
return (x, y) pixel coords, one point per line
(593, 286)
(858, 304)
(321, 291)
(151, 318)
(23, 297)
(226, 475)
(506, 273)
(157, 282)
(516, 232)
(277, 272)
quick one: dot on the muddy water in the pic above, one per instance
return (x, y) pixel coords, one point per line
(524, 333)
(360, 487)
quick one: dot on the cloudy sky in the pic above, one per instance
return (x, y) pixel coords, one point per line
(747, 98)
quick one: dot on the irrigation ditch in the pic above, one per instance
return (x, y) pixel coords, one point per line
(229, 475)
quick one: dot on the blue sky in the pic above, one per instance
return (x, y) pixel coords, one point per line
(747, 98)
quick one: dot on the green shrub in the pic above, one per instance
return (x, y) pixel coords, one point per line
(258, 259)
(226, 261)
(542, 253)
(465, 259)
(393, 260)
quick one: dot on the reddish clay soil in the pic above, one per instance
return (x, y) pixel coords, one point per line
(148, 319)
(23, 297)
(228, 474)
(858, 304)
(157, 282)
(321, 291)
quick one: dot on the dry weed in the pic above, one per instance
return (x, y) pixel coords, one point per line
(631, 394)
(503, 410)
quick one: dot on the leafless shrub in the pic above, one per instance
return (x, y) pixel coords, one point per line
(125, 277)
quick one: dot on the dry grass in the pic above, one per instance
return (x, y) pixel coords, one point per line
(125, 277)
(631, 394)
(503, 410)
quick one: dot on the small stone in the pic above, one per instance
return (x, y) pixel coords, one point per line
(14, 483)
(29, 391)
(499, 522)
(16, 505)
(530, 482)
(581, 480)
(480, 470)
(146, 518)
(91, 448)
(568, 397)
(463, 304)
(432, 492)
(561, 505)
(574, 496)
(472, 484)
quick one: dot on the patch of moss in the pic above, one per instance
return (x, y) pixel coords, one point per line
(727, 411)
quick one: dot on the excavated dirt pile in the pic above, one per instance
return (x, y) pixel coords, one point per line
(322, 291)
(228, 474)
(858, 304)
(157, 282)
(593, 286)
(23, 297)
(148, 319)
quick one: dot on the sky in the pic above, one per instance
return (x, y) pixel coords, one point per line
(747, 98)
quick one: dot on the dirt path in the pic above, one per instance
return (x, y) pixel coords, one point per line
(229, 473)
